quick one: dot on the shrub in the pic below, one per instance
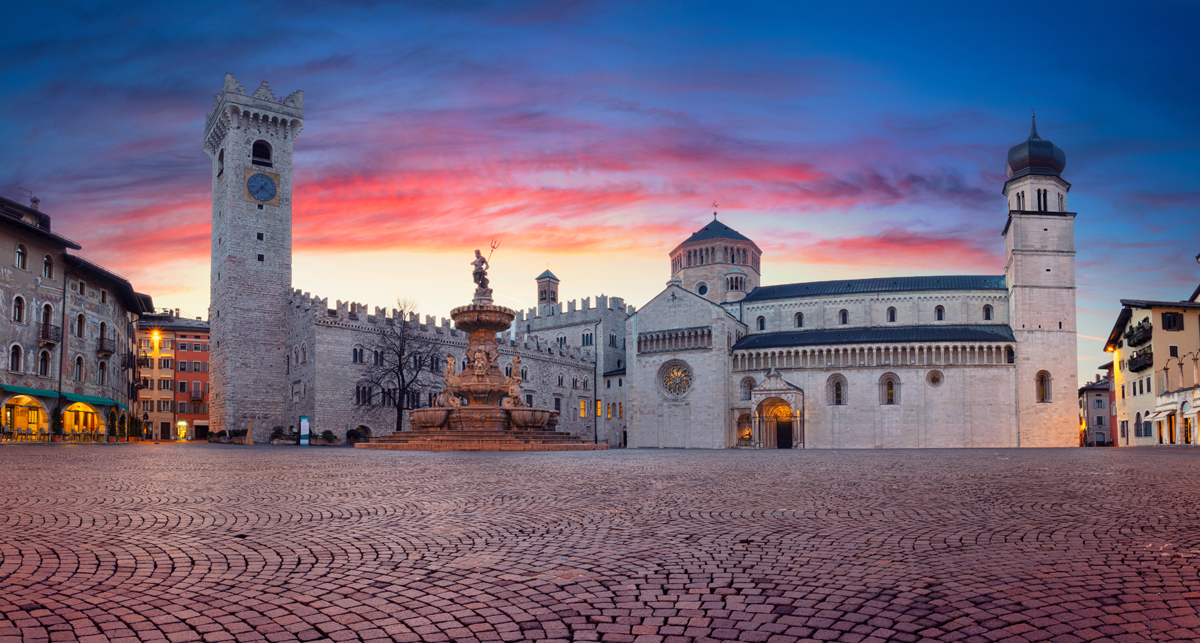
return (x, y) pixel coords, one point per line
(237, 433)
(327, 435)
(277, 433)
(222, 433)
(56, 421)
(352, 435)
(110, 427)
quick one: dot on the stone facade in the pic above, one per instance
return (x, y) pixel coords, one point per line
(69, 325)
(322, 374)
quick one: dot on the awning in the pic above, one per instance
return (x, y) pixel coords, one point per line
(1156, 415)
(90, 399)
(32, 392)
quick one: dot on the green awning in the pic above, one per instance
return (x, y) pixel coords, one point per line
(32, 392)
(89, 399)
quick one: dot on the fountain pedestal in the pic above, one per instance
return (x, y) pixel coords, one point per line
(480, 409)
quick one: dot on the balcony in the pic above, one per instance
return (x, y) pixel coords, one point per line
(1141, 362)
(1139, 335)
(197, 395)
(106, 346)
(49, 335)
(127, 361)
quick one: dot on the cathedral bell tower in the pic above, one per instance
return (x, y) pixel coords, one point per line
(1039, 241)
(249, 138)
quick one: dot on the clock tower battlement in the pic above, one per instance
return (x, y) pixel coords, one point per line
(249, 139)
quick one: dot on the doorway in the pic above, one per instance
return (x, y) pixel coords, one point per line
(783, 434)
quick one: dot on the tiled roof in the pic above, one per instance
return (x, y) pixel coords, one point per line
(883, 284)
(716, 230)
(548, 274)
(878, 335)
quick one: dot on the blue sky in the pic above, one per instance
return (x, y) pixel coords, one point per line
(848, 139)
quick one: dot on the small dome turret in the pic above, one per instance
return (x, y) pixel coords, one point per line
(1035, 156)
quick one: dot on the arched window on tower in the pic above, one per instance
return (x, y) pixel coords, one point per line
(1010, 356)
(761, 324)
(220, 163)
(891, 314)
(987, 313)
(1061, 205)
(1043, 387)
(261, 153)
(747, 388)
(843, 317)
(799, 320)
(939, 313)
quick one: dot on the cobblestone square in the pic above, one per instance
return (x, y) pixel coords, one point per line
(220, 543)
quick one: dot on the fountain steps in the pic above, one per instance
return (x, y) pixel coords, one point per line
(481, 440)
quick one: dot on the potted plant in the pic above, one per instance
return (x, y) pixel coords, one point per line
(110, 427)
(56, 424)
(122, 434)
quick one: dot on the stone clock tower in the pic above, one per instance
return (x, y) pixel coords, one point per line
(249, 138)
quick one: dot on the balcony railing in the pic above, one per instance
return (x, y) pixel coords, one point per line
(197, 395)
(48, 334)
(1141, 362)
(1139, 336)
(106, 345)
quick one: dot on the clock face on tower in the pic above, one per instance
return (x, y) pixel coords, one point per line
(261, 187)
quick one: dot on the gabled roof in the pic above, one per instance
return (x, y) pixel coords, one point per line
(883, 284)
(549, 275)
(15, 214)
(716, 230)
(878, 335)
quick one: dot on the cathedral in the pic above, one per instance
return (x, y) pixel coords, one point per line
(715, 360)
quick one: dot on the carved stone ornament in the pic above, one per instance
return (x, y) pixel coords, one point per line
(675, 378)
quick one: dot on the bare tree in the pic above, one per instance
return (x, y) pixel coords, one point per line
(403, 362)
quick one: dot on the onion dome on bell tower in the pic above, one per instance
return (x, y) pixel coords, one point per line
(1035, 156)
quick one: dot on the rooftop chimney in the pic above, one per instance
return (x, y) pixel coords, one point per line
(1097, 378)
(177, 314)
(34, 201)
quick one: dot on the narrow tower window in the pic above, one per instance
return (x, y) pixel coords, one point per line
(939, 313)
(799, 320)
(892, 315)
(843, 317)
(987, 313)
(762, 323)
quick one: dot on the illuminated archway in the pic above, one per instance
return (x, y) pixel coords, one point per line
(83, 422)
(26, 418)
(776, 421)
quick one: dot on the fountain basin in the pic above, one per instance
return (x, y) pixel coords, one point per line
(525, 418)
(428, 418)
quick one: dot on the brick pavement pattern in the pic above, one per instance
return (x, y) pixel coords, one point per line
(130, 543)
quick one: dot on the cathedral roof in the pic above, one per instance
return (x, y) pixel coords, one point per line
(716, 230)
(1035, 156)
(878, 335)
(883, 284)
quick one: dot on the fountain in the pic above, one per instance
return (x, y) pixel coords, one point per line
(481, 408)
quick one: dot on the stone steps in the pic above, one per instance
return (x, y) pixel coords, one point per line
(481, 440)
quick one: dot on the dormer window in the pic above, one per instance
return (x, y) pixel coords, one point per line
(261, 154)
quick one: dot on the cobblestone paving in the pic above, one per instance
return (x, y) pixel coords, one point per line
(221, 543)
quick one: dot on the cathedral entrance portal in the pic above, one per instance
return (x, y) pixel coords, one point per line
(773, 422)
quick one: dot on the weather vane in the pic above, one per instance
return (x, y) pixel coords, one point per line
(714, 210)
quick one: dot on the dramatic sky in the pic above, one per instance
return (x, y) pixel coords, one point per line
(848, 139)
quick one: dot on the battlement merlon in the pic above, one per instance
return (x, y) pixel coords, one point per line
(233, 105)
